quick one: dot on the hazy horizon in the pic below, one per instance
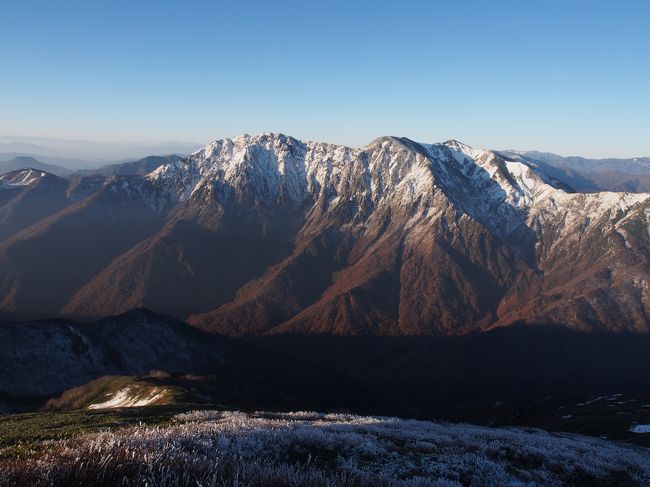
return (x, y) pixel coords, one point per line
(74, 154)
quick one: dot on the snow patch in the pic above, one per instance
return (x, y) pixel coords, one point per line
(640, 428)
(587, 403)
(22, 178)
(124, 399)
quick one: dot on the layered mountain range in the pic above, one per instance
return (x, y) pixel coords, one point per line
(268, 234)
(591, 175)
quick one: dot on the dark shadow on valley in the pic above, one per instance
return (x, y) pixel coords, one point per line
(521, 375)
(429, 376)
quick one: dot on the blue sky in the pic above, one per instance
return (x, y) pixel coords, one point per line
(571, 77)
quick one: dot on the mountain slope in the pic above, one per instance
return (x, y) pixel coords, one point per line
(268, 234)
(41, 359)
(44, 264)
(28, 196)
(464, 237)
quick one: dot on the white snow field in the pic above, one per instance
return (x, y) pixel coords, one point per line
(124, 398)
(210, 448)
(640, 428)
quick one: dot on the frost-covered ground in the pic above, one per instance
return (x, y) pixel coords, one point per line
(233, 448)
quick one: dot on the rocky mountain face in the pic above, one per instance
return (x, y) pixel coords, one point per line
(268, 234)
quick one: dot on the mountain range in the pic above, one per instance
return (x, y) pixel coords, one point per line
(591, 175)
(267, 234)
(79, 154)
(582, 174)
(139, 166)
(28, 162)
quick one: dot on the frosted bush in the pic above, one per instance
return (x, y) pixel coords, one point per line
(211, 448)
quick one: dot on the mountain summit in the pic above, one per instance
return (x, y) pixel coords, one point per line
(269, 234)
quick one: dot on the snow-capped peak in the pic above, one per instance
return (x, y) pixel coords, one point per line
(462, 148)
(271, 168)
(457, 145)
(21, 177)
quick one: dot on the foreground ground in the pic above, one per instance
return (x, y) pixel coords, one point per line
(235, 448)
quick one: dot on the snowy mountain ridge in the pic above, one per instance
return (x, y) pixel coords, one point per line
(406, 237)
(501, 192)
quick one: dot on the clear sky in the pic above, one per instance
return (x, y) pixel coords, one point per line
(571, 77)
